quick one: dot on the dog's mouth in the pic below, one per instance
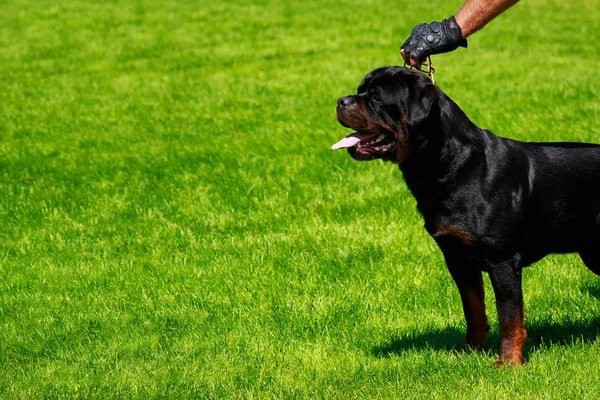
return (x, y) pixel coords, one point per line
(367, 145)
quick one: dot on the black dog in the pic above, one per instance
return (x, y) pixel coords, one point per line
(491, 204)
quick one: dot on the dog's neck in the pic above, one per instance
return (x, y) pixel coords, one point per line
(440, 148)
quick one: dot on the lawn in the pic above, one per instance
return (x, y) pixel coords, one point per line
(174, 224)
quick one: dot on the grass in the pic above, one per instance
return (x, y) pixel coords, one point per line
(174, 223)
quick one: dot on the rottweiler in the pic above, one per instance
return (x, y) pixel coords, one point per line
(491, 204)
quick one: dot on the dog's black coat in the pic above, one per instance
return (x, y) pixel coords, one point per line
(491, 204)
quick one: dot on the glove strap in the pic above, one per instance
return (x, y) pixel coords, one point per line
(454, 32)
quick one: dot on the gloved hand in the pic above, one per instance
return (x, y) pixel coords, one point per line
(433, 38)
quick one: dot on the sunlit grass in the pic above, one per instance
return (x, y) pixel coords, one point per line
(175, 225)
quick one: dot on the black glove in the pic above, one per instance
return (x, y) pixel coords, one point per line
(434, 38)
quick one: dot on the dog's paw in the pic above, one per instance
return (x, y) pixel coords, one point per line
(508, 362)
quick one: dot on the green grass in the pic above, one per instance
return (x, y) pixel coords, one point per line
(175, 225)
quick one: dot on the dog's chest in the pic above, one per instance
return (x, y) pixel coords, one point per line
(450, 229)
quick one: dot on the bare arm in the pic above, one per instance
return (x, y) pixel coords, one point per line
(475, 14)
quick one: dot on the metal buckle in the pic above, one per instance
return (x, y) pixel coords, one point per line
(430, 69)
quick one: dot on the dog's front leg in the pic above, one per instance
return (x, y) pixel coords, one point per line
(469, 280)
(507, 283)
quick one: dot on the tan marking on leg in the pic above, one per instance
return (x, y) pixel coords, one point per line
(511, 351)
(477, 324)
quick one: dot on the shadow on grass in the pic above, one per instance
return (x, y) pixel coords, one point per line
(451, 338)
(539, 334)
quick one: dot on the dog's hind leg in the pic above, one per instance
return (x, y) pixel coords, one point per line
(591, 260)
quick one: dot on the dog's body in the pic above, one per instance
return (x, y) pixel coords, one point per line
(491, 204)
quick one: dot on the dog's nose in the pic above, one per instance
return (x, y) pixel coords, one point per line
(345, 101)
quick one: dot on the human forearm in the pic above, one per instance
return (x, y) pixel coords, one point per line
(475, 14)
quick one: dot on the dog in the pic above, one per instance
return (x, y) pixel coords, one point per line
(491, 204)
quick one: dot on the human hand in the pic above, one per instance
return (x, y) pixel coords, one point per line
(433, 38)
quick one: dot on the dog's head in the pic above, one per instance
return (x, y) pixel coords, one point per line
(390, 105)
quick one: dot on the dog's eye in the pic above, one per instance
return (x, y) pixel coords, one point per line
(373, 96)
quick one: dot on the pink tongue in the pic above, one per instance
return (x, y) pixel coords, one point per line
(349, 141)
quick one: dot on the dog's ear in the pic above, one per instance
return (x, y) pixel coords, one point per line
(423, 100)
